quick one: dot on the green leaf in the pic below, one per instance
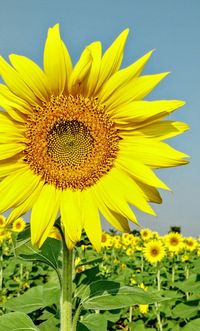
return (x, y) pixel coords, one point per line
(93, 322)
(17, 321)
(35, 298)
(107, 295)
(193, 325)
(183, 310)
(50, 324)
(48, 253)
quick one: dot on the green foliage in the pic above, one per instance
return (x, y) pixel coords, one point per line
(107, 296)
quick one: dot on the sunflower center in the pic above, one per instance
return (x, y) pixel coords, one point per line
(71, 142)
(154, 251)
(174, 241)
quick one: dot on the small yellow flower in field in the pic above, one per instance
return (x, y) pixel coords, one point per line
(143, 309)
(154, 251)
(2, 221)
(116, 239)
(190, 244)
(198, 251)
(4, 234)
(55, 233)
(185, 258)
(106, 240)
(145, 288)
(146, 234)
(25, 286)
(129, 251)
(81, 141)
(18, 225)
(155, 234)
(123, 266)
(133, 280)
(116, 261)
(117, 245)
(174, 242)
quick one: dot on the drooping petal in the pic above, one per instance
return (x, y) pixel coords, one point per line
(44, 214)
(131, 191)
(139, 171)
(114, 196)
(57, 63)
(17, 187)
(112, 59)
(118, 221)
(122, 77)
(24, 207)
(92, 222)
(32, 75)
(71, 216)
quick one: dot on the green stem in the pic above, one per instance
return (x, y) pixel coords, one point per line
(173, 275)
(186, 277)
(157, 304)
(76, 318)
(130, 313)
(66, 295)
(1, 268)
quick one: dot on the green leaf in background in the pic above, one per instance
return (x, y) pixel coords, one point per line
(185, 310)
(194, 325)
(48, 253)
(108, 295)
(35, 298)
(16, 321)
(93, 322)
(49, 325)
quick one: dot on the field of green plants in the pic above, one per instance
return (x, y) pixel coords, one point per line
(161, 272)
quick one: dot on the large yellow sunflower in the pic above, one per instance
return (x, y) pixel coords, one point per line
(80, 141)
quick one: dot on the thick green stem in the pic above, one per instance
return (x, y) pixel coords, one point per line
(173, 275)
(66, 295)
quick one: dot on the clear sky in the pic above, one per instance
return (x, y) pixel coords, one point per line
(171, 27)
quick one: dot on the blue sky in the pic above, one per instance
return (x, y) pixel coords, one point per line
(172, 28)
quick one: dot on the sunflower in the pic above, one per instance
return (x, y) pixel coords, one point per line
(146, 234)
(80, 141)
(154, 251)
(174, 242)
(190, 244)
(18, 225)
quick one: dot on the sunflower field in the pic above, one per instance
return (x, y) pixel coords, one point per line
(139, 281)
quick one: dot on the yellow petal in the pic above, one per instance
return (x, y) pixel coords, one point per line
(144, 112)
(15, 83)
(150, 192)
(113, 196)
(131, 191)
(10, 165)
(139, 171)
(44, 213)
(57, 62)
(26, 205)
(11, 100)
(161, 130)
(32, 75)
(123, 77)
(9, 150)
(7, 125)
(116, 220)
(112, 59)
(80, 72)
(135, 90)
(17, 187)
(153, 153)
(95, 50)
(92, 222)
(71, 216)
